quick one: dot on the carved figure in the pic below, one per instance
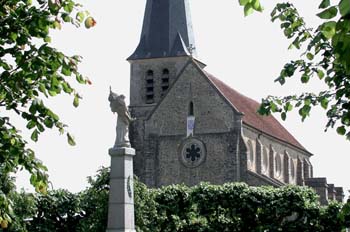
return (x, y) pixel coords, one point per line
(117, 104)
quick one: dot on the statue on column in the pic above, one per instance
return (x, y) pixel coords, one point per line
(117, 104)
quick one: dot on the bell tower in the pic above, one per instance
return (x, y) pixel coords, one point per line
(166, 44)
(166, 41)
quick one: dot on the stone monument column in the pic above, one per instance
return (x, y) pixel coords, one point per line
(121, 195)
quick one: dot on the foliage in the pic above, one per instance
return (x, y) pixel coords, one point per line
(325, 57)
(24, 210)
(250, 6)
(62, 211)
(58, 210)
(6, 188)
(94, 203)
(31, 71)
(238, 207)
(144, 202)
(205, 207)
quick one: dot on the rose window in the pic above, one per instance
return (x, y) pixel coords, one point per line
(192, 152)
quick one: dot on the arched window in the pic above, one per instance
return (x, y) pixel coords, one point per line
(265, 160)
(292, 169)
(251, 158)
(278, 165)
(165, 71)
(165, 80)
(149, 87)
(307, 169)
(150, 73)
(191, 109)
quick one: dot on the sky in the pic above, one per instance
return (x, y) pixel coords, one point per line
(247, 53)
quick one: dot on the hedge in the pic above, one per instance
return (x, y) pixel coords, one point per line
(229, 207)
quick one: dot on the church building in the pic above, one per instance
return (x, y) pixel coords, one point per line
(192, 127)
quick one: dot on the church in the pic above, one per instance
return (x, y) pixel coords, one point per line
(191, 127)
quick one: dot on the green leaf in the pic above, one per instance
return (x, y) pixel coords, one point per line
(341, 130)
(53, 115)
(310, 56)
(344, 7)
(33, 108)
(66, 88)
(320, 74)
(42, 88)
(57, 25)
(324, 4)
(243, 2)
(76, 100)
(328, 29)
(324, 103)
(305, 111)
(69, 7)
(307, 101)
(329, 13)
(248, 9)
(273, 107)
(70, 140)
(34, 135)
(80, 79)
(305, 78)
(31, 124)
(257, 5)
(66, 70)
(66, 18)
(40, 127)
(47, 39)
(80, 16)
(52, 92)
(13, 36)
(283, 116)
(48, 122)
(345, 120)
(288, 107)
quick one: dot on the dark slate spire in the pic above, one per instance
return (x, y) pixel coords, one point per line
(167, 30)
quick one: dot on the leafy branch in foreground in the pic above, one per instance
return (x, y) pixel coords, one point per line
(325, 56)
(31, 71)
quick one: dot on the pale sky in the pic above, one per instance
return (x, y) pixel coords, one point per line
(246, 53)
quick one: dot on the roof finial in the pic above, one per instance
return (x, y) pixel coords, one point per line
(191, 48)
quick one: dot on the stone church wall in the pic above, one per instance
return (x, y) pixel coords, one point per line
(277, 161)
(215, 130)
(215, 166)
(212, 112)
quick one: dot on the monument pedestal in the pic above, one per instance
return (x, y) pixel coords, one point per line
(121, 193)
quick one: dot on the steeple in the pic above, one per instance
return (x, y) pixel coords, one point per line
(167, 30)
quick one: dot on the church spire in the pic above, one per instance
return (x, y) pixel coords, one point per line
(167, 30)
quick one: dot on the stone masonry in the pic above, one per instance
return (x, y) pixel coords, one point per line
(231, 142)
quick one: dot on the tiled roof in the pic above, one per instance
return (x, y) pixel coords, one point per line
(249, 107)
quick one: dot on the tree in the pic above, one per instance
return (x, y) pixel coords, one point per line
(325, 55)
(32, 71)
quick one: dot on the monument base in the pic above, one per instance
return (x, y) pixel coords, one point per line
(121, 193)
